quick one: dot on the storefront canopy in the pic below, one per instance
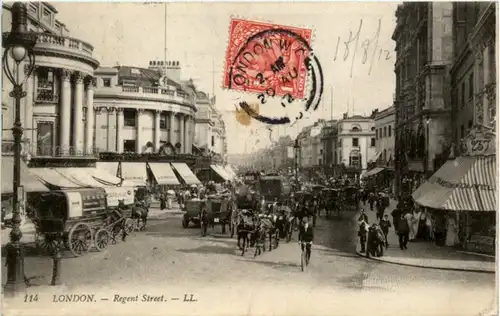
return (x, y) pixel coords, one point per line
(220, 171)
(186, 174)
(163, 173)
(28, 180)
(372, 172)
(110, 167)
(230, 171)
(464, 184)
(55, 180)
(134, 172)
(115, 189)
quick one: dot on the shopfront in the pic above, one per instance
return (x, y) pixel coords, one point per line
(187, 176)
(463, 193)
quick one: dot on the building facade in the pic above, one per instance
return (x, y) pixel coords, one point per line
(142, 110)
(311, 145)
(384, 136)
(58, 91)
(355, 142)
(473, 73)
(424, 50)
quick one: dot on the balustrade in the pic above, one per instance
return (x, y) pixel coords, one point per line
(31, 150)
(51, 39)
(155, 90)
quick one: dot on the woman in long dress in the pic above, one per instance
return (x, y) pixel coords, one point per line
(451, 232)
(409, 218)
(415, 223)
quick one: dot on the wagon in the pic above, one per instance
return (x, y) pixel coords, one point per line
(217, 211)
(77, 218)
(192, 209)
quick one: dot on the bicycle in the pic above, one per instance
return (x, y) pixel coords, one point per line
(305, 254)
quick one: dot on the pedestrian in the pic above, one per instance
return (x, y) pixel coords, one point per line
(371, 200)
(403, 232)
(163, 203)
(380, 208)
(396, 215)
(363, 229)
(385, 224)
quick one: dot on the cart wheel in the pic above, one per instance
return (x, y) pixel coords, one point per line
(101, 239)
(80, 239)
(129, 226)
(47, 244)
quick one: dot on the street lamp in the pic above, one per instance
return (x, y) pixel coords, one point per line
(427, 155)
(297, 148)
(18, 44)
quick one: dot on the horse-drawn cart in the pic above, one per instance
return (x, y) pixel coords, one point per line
(77, 218)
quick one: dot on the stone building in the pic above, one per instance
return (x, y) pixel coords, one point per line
(58, 91)
(384, 136)
(473, 72)
(142, 110)
(424, 49)
(355, 142)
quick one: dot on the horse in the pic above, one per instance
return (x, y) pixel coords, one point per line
(245, 227)
(140, 214)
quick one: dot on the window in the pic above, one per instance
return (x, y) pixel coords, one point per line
(372, 143)
(462, 131)
(163, 121)
(213, 140)
(389, 132)
(46, 12)
(469, 126)
(33, 7)
(355, 142)
(462, 95)
(45, 138)
(320, 162)
(106, 82)
(385, 131)
(354, 161)
(129, 116)
(129, 145)
(376, 134)
(45, 85)
(355, 129)
(471, 86)
(373, 128)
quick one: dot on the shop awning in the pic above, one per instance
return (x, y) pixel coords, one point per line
(218, 169)
(186, 174)
(230, 171)
(134, 172)
(463, 184)
(110, 167)
(163, 173)
(55, 180)
(372, 172)
(107, 177)
(375, 158)
(28, 180)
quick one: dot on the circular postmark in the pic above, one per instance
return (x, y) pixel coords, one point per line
(278, 64)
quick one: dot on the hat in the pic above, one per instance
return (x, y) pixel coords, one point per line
(304, 220)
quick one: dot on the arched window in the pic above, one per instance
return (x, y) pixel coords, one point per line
(355, 129)
(354, 159)
(373, 128)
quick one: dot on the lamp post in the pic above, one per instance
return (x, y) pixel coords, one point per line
(427, 155)
(18, 44)
(296, 147)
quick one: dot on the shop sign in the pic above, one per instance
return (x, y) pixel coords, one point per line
(479, 142)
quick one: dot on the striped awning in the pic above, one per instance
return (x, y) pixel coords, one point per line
(463, 184)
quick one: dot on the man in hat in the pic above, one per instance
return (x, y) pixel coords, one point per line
(306, 235)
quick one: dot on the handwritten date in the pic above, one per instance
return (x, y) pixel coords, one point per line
(369, 48)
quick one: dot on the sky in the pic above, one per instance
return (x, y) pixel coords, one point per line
(197, 35)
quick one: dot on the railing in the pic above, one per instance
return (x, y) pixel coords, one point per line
(30, 150)
(46, 96)
(159, 91)
(67, 42)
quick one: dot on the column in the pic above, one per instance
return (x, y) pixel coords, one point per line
(78, 114)
(111, 129)
(119, 130)
(187, 124)
(193, 132)
(171, 128)
(89, 117)
(138, 138)
(65, 113)
(182, 136)
(28, 110)
(157, 131)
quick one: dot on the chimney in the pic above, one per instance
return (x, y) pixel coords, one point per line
(173, 70)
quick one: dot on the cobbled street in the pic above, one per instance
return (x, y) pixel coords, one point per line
(170, 260)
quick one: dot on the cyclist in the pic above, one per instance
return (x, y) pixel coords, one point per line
(306, 237)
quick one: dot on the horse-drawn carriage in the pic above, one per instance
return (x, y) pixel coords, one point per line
(78, 219)
(215, 210)
(349, 198)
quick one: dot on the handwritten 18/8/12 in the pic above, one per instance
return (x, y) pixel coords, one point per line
(366, 47)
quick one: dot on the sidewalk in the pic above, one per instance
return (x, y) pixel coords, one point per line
(426, 254)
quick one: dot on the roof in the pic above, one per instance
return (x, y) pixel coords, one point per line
(144, 77)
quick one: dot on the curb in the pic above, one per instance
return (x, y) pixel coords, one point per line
(423, 266)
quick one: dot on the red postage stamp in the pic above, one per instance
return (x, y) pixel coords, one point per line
(267, 58)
